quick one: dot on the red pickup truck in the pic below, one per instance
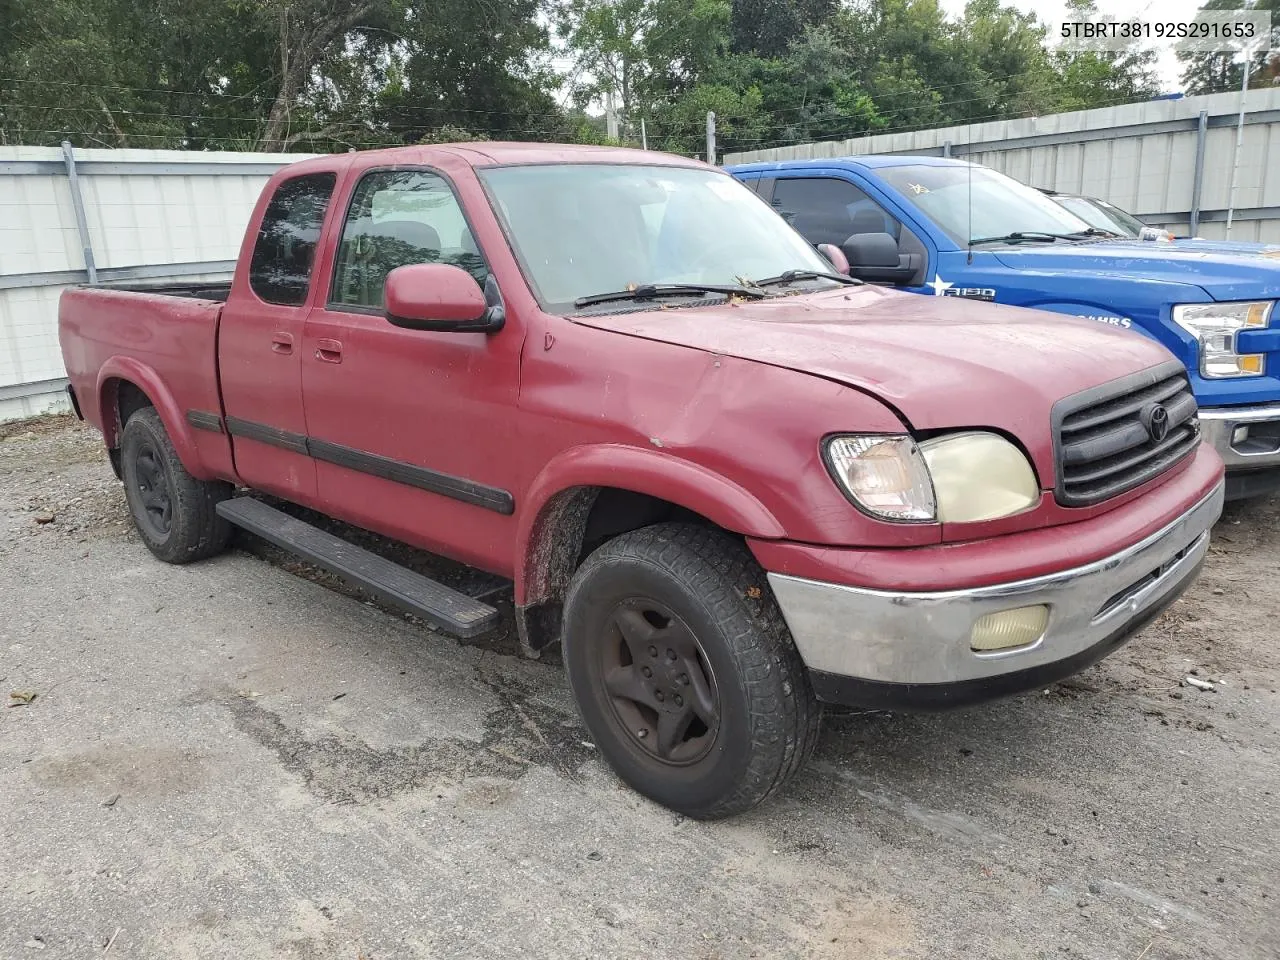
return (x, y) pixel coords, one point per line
(732, 482)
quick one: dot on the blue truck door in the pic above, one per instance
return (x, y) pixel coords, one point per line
(831, 209)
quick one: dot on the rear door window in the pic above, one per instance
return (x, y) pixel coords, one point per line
(285, 252)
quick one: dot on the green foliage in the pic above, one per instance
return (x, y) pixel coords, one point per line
(336, 74)
(448, 133)
(1221, 72)
(1098, 78)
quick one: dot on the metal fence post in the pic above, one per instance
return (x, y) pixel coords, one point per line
(77, 202)
(1202, 130)
(711, 137)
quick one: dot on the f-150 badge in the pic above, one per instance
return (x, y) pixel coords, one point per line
(941, 288)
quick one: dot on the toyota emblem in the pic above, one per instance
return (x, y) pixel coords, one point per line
(1156, 419)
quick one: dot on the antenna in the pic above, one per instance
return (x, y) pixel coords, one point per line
(969, 151)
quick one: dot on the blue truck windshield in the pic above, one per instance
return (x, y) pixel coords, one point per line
(999, 205)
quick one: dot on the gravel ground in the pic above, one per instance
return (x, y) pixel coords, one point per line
(228, 760)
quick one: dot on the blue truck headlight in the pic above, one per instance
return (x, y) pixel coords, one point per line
(1215, 325)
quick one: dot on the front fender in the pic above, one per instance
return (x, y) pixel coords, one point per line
(652, 472)
(146, 379)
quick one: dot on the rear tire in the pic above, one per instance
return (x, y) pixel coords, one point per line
(175, 514)
(684, 670)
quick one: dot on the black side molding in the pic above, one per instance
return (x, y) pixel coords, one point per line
(203, 420)
(250, 430)
(397, 471)
(456, 488)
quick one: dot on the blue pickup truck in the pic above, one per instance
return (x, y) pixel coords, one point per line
(948, 228)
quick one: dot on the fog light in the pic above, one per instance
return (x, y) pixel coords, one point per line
(1009, 628)
(1239, 435)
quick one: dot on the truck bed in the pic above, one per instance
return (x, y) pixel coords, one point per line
(215, 290)
(163, 339)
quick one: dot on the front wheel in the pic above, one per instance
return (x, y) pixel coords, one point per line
(685, 672)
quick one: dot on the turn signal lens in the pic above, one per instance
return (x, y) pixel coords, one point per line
(884, 475)
(1007, 629)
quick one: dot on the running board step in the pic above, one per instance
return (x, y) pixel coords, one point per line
(442, 606)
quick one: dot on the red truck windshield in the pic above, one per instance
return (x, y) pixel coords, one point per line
(583, 229)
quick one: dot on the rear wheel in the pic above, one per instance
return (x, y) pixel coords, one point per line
(684, 671)
(175, 514)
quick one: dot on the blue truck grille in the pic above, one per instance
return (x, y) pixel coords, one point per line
(1112, 438)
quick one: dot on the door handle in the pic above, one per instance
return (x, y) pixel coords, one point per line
(330, 351)
(282, 343)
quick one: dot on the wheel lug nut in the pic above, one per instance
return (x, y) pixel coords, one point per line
(684, 679)
(653, 651)
(646, 671)
(679, 702)
(642, 732)
(658, 694)
(671, 655)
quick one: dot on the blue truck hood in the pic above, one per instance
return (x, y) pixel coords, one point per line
(1228, 246)
(1223, 275)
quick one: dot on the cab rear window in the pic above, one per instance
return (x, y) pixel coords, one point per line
(285, 252)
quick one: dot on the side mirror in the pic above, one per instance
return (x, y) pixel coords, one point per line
(441, 297)
(835, 256)
(875, 257)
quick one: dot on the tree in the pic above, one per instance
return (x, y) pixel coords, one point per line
(333, 74)
(766, 28)
(1097, 78)
(1220, 72)
(270, 74)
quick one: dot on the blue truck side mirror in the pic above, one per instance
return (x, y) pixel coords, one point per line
(875, 257)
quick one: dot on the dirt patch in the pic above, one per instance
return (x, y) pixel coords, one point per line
(1221, 631)
(19, 431)
(521, 734)
(58, 483)
(112, 769)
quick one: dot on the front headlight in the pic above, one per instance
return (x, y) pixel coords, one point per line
(1215, 325)
(959, 478)
(979, 476)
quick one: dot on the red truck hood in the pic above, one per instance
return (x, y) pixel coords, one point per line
(941, 362)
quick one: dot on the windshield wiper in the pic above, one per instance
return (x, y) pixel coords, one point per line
(1098, 232)
(791, 276)
(653, 291)
(1034, 235)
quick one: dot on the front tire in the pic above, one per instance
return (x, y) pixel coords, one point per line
(175, 514)
(684, 670)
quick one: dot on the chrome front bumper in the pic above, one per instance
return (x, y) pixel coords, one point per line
(1260, 445)
(924, 638)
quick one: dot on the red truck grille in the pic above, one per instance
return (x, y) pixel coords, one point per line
(1114, 437)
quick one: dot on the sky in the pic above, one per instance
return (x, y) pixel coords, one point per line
(1051, 12)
